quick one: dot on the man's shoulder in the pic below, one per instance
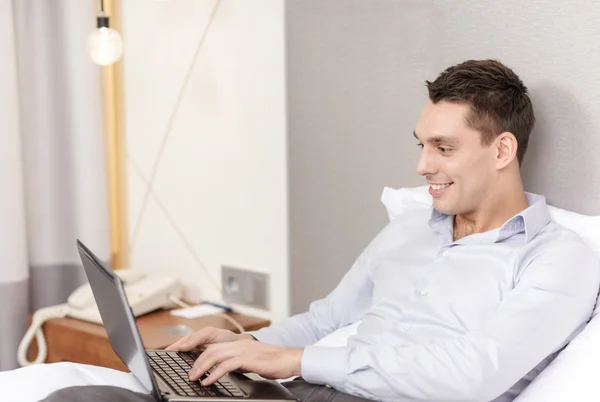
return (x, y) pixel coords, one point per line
(558, 245)
(559, 238)
(560, 257)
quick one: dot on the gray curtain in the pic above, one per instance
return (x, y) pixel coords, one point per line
(52, 159)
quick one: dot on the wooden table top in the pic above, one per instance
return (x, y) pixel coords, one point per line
(160, 329)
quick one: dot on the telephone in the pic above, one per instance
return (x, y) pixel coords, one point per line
(145, 293)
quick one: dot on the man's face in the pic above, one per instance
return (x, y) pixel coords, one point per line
(459, 169)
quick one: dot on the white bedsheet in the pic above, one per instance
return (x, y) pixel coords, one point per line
(16, 385)
(572, 377)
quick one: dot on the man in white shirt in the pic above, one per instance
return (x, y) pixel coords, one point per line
(467, 302)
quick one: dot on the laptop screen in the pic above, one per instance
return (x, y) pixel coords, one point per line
(117, 317)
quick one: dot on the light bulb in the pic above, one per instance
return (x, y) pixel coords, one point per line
(105, 44)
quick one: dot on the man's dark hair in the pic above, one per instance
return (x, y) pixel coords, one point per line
(498, 99)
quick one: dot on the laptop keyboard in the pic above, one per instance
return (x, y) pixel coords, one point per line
(173, 368)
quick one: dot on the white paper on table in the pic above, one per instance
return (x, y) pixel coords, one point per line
(200, 310)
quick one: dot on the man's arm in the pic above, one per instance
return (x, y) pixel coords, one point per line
(346, 304)
(539, 315)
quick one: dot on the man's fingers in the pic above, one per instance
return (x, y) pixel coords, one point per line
(191, 341)
(213, 355)
(224, 368)
(176, 345)
(207, 360)
(185, 344)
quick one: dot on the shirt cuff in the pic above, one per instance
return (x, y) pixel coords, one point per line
(324, 365)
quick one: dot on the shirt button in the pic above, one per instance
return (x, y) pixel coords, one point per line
(445, 253)
(405, 327)
(423, 292)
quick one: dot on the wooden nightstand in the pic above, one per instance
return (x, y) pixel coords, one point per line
(83, 342)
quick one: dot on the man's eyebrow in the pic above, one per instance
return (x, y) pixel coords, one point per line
(439, 139)
(443, 140)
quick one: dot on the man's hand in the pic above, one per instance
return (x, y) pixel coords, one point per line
(237, 352)
(204, 337)
(247, 355)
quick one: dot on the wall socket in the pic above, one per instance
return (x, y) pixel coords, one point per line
(245, 287)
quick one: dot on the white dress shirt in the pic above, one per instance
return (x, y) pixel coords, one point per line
(474, 319)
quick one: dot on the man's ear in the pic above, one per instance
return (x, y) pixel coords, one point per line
(506, 149)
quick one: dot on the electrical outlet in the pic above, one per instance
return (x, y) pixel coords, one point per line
(245, 287)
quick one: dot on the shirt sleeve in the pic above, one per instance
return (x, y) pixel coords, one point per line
(552, 301)
(346, 304)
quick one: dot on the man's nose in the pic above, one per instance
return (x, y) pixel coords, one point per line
(425, 166)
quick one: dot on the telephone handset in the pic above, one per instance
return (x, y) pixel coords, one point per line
(145, 293)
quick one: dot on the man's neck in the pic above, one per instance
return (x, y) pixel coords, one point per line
(493, 214)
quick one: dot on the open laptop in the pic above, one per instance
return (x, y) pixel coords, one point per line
(163, 373)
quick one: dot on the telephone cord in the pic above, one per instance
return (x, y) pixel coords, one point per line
(35, 330)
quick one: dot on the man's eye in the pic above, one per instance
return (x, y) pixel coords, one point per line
(443, 149)
(420, 145)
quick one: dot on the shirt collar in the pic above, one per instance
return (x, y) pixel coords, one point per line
(531, 220)
(534, 218)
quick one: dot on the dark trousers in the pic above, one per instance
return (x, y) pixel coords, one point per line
(319, 393)
(304, 391)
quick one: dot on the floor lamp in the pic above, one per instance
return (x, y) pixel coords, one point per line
(105, 48)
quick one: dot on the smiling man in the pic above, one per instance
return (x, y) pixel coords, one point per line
(466, 302)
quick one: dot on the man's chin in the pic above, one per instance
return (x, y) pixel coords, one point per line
(443, 207)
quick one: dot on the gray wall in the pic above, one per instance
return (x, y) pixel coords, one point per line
(355, 81)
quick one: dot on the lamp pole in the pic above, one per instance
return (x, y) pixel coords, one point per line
(114, 128)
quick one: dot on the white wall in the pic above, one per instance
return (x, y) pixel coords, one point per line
(221, 178)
